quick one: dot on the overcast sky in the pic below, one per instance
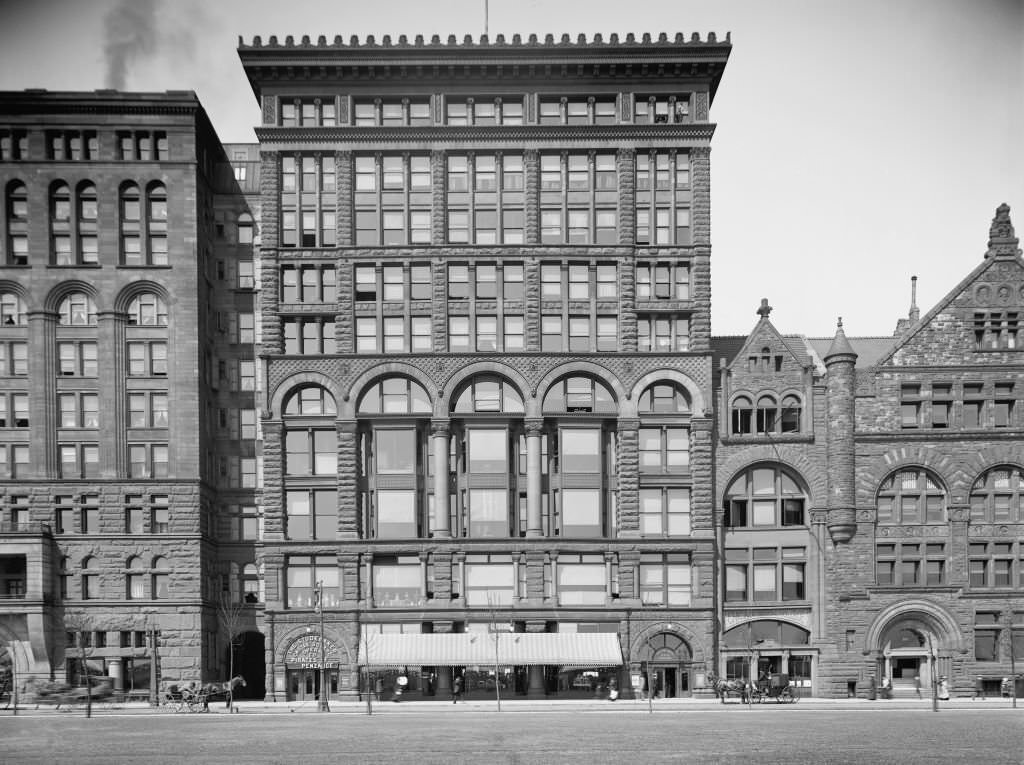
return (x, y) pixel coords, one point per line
(859, 142)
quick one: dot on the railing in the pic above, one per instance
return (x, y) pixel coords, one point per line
(13, 596)
(31, 527)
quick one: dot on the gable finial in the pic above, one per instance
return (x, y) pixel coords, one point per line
(765, 309)
(1002, 241)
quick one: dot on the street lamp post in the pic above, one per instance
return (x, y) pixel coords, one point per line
(935, 666)
(153, 658)
(322, 704)
(750, 666)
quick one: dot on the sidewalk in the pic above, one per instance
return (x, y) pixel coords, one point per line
(514, 705)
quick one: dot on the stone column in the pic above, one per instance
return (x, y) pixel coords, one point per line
(116, 670)
(439, 432)
(534, 526)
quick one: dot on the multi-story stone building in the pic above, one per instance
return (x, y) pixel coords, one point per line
(427, 377)
(112, 373)
(486, 289)
(872, 522)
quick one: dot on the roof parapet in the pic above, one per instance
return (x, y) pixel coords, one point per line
(485, 41)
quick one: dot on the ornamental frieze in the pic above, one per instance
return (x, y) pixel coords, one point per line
(994, 530)
(999, 295)
(897, 532)
(796, 616)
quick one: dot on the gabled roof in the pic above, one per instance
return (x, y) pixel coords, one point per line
(1002, 247)
(735, 347)
(868, 349)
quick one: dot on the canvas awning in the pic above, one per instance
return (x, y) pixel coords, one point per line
(573, 649)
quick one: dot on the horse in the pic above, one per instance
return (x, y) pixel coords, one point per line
(723, 688)
(225, 689)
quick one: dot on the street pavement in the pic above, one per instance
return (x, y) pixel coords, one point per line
(525, 733)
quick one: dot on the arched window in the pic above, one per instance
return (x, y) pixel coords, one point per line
(310, 401)
(12, 310)
(765, 631)
(61, 253)
(88, 223)
(161, 578)
(17, 224)
(790, 420)
(156, 224)
(765, 497)
(996, 495)
(90, 578)
(742, 416)
(489, 393)
(394, 395)
(767, 415)
(147, 310)
(251, 584)
(130, 207)
(245, 229)
(579, 394)
(913, 495)
(135, 579)
(77, 310)
(664, 398)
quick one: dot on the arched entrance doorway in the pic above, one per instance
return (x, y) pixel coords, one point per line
(302, 668)
(666, 665)
(909, 655)
(250, 663)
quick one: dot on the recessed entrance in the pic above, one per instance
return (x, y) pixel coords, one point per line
(666, 660)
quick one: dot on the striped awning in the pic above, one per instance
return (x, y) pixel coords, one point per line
(572, 649)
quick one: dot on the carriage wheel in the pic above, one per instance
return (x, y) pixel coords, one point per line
(786, 695)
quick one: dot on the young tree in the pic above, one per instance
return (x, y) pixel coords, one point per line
(229, 615)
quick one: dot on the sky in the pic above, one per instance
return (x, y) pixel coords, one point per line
(858, 142)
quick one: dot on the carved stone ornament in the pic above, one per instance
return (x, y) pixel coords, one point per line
(912, 531)
(269, 110)
(306, 650)
(866, 516)
(1003, 293)
(960, 514)
(983, 294)
(736, 618)
(344, 369)
(702, 107)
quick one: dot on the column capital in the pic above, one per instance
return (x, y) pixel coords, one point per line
(440, 427)
(627, 423)
(533, 427)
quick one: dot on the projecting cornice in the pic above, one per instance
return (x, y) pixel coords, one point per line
(672, 133)
(485, 60)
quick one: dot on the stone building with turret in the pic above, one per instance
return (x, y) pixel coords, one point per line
(905, 452)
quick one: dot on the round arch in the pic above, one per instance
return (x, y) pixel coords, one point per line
(697, 654)
(698, 407)
(132, 290)
(291, 383)
(347, 404)
(585, 368)
(783, 455)
(455, 382)
(920, 614)
(65, 288)
(298, 643)
(893, 460)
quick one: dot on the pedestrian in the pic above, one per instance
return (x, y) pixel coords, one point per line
(886, 688)
(943, 688)
(917, 685)
(979, 688)
(457, 689)
(379, 687)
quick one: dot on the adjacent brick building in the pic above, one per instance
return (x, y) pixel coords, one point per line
(472, 276)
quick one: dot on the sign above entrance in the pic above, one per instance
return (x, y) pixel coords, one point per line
(306, 650)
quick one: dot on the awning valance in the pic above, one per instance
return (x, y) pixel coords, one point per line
(573, 649)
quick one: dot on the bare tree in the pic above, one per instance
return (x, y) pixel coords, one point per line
(83, 650)
(229, 615)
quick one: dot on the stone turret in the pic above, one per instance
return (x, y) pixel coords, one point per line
(840, 362)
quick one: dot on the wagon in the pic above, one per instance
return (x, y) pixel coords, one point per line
(185, 699)
(776, 687)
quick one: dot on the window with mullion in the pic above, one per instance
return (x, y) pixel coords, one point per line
(665, 511)
(662, 198)
(579, 199)
(581, 580)
(665, 580)
(304, 572)
(311, 514)
(308, 201)
(664, 449)
(911, 497)
(485, 199)
(397, 581)
(765, 497)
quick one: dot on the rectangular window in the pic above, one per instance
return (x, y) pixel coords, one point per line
(303, 572)
(551, 334)
(664, 580)
(397, 581)
(581, 580)
(490, 580)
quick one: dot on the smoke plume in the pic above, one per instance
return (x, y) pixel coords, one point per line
(130, 29)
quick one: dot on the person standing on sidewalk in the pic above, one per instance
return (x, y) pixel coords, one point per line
(457, 689)
(917, 685)
(979, 688)
(943, 689)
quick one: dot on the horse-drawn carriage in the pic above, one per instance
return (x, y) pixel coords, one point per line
(777, 687)
(196, 698)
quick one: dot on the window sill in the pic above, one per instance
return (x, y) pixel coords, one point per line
(60, 266)
(788, 438)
